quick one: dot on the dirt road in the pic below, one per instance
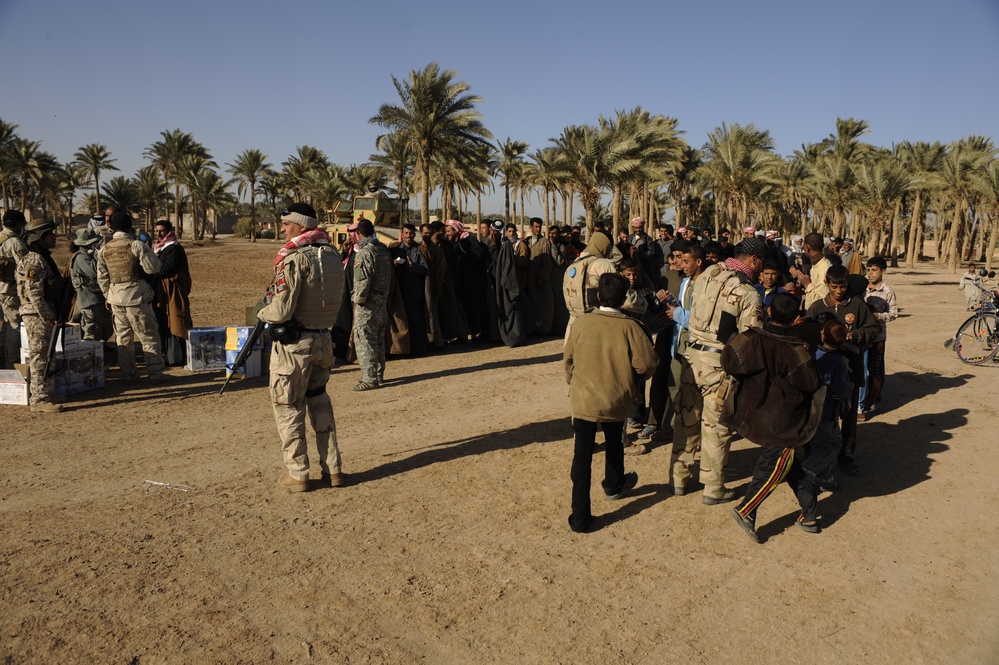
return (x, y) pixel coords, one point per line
(450, 544)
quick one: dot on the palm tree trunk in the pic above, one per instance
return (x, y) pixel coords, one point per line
(425, 195)
(917, 212)
(523, 208)
(176, 209)
(506, 200)
(953, 241)
(572, 196)
(616, 209)
(990, 252)
(253, 212)
(891, 231)
(97, 190)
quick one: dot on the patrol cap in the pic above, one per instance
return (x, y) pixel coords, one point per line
(752, 247)
(12, 218)
(34, 231)
(85, 238)
(120, 221)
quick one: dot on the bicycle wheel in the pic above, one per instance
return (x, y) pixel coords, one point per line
(977, 338)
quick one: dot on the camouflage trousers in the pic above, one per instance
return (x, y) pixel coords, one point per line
(370, 321)
(716, 439)
(137, 322)
(10, 338)
(39, 335)
(688, 405)
(95, 323)
(298, 376)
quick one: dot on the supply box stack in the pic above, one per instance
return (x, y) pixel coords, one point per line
(235, 340)
(79, 367)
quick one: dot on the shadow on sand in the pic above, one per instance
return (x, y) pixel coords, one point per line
(557, 429)
(893, 457)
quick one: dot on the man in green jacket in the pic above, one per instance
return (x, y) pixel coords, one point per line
(607, 355)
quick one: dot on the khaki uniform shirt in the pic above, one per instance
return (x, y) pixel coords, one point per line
(736, 307)
(307, 288)
(12, 248)
(137, 291)
(37, 286)
(817, 289)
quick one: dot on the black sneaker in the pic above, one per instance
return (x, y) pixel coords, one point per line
(580, 528)
(630, 480)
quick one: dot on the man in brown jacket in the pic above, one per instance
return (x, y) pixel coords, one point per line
(606, 355)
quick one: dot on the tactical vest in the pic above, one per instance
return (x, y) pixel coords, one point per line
(321, 290)
(11, 250)
(579, 284)
(122, 266)
(711, 302)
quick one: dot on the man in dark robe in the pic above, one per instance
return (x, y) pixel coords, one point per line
(172, 304)
(411, 274)
(510, 296)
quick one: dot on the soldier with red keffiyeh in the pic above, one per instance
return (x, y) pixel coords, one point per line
(304, 302)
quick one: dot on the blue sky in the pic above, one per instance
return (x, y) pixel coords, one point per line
(275, 76)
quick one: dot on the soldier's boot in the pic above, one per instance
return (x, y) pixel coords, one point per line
(46, 407)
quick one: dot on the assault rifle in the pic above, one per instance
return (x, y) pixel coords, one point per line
(62, 307)
(244, 353)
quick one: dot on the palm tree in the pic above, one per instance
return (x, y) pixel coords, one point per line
(167, 155)
(736, 158)
(272, 189)
(511, 160)
(987, 184)
(152, 191)
(680, 182)
(209, 194)
(70, 180)
(434, 112)
(922, 160)
(398, 159)
(94, 158)
(7, 170)
(324, 186)
(359, 180)
(881, 184)
(36, 172)
(249, 167)
(122, 193)
(296, 169)
(957, 179)
(791, 187)
(193, 174)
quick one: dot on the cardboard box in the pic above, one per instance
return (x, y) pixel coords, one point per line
(13, 388)
(80, 368)
(72, 335)
(206, 349)
(250, 370)
(236, 336)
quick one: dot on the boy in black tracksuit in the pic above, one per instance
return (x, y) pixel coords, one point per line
(862, 329)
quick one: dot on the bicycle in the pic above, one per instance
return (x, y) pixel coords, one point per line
(977, 340)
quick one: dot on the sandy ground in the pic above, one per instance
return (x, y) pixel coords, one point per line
(451, 545)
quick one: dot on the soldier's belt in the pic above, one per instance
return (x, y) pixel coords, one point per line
(701, 347)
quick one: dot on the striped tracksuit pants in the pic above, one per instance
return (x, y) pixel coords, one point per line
(777, 465)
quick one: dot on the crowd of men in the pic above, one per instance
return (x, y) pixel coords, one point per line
(118, 283)
(782, 345)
